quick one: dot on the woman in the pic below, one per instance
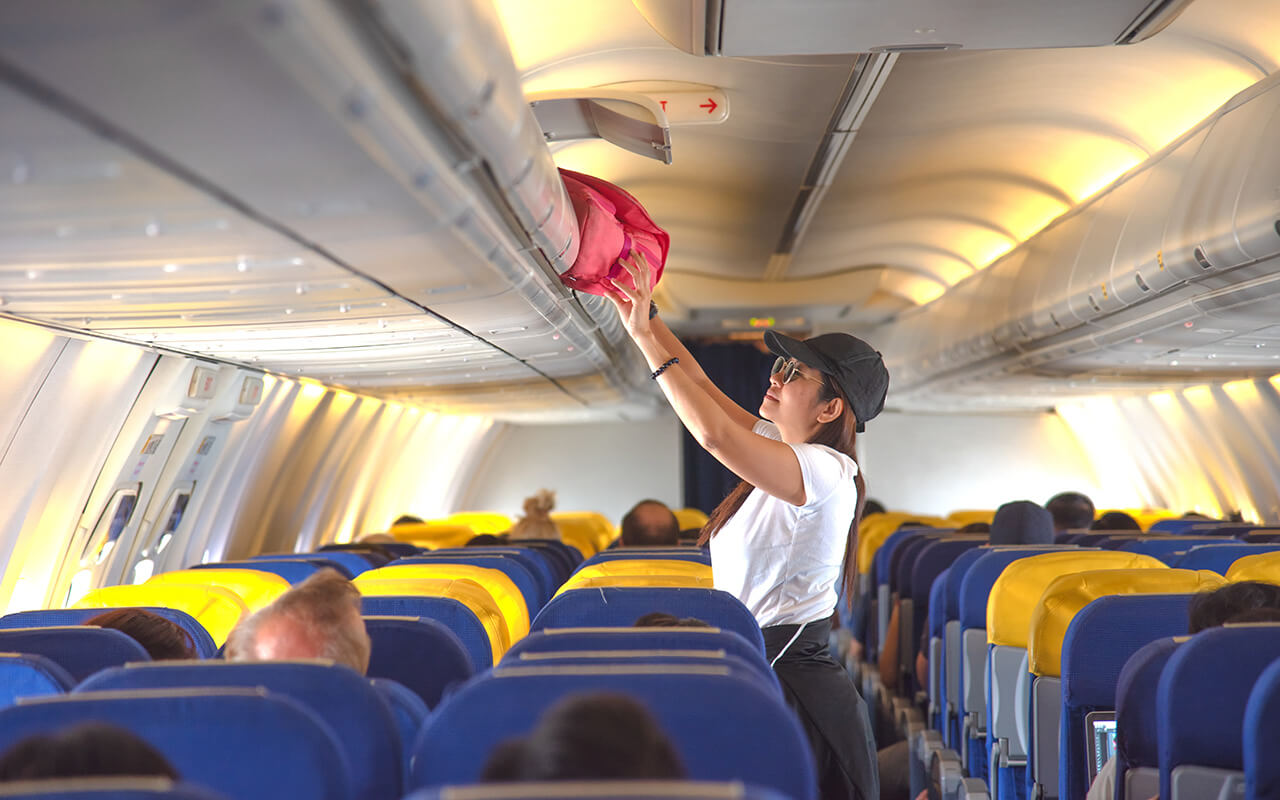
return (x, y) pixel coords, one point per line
(781, 540)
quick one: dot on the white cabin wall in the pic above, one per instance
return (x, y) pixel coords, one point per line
(936, 463)
(605, 467)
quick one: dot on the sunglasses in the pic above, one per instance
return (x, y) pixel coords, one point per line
(789, 368)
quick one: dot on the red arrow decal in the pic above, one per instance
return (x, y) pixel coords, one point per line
(710, 106)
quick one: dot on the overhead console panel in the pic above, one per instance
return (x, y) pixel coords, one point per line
(814, 27)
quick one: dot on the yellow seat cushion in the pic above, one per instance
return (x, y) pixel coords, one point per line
(590, 525)
(878, 527)
(636, 567)
(1067, 594)
(434, 534)
(669, 581)
(504, 590)
(690, 518)
(482, 521)
(1015, 593)
(256, 588)
(466, 591)
(216, 609)
(966, 516)
(1264, 567)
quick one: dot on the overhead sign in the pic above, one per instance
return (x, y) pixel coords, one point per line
(700, 107)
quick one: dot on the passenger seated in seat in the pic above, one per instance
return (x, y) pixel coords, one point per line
(589, 736)
(86, 750)
(536, 522)
(661, 619)
(163, 639)
(318, 618)
(1115, 521)
(487, 540)
(1236, 603)
(1071, 511)
(650, 523)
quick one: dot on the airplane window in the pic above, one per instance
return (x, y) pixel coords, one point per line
(118, 512)
(175, 519)
(142, 570)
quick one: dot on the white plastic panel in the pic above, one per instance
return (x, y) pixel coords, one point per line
(1257, 220)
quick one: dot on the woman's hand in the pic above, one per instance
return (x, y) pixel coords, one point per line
(632, 303)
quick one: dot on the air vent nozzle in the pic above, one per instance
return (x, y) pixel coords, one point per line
(1201, 259)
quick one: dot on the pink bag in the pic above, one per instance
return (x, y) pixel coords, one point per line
(611, 223)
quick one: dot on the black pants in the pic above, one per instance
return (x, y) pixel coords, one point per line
(831, 711)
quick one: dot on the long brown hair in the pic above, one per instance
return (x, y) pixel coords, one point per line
(839, 434)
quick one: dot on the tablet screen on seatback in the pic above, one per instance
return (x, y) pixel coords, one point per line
(1100, 727)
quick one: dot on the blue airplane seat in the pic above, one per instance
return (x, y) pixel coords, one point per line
(533, 588)
(235, 741)
(348, 564)
(936, 652)
(694, 554)
(449, 612)
(421, 654)
(1220, 557)
(1167, 550)
(544, 572)
(603, 790)
(1177, 526)
(62, 617)
(1201, 700)
(292, 571)
(565, 640)
(724, 727)
(81, 650)
(930, 561)
(410, 715)
(106, 788)
(619, 606)
(30, 675)
(1262, 737)
(1137, 739)
(343, 700)
(564, 555)
(1099, 642)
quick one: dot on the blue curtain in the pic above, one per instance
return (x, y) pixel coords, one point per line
(742, 372)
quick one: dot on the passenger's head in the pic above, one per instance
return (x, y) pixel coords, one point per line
(661, 619)
(1071, 511)
(590, 736)
(1115, 521)
(536, 522)
(406, 519)
(162, 639)
(872, 507)
(1255, 615)
(318, 618)
(1227, 603)
(650, 523)
(976, 527)
(1021, 522)
(86, 750)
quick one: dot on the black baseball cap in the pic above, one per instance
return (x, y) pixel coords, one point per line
(853, 364)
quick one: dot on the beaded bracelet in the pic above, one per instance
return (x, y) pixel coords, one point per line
(663, 368)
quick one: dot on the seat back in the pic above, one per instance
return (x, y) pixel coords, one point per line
(410, 714)
(1137, 738)
(451, 612)
(582, 527)
(436, 533)
(31, 675)
(936, 652)
(724, 727)
(482, 521)
(81, 650)
(546, 575)
(533, 586)
(234, 741)
(1264, 567)
(216, 609)
(421, 654)
(467, 592)
(256, 588)
(640, 581)
(510, 600)
(561, 640)
(1221, 664)
(1220, 557)
(343, 700)
(695, 555)
(101, 787)
(930, 560)
(621, 606)
(54, 617)
(1167, 548)
(291, 571)
(1100, 640)
(1261, 736)
(349, 564)
(602, 790)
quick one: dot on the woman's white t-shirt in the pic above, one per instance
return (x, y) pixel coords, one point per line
(784, 561)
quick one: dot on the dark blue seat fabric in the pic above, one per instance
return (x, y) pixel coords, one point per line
(421, 654)
(448, 612)
(1202, 694)
(532, 589)
(1167, 550)
(694, 554)
(410, 714)
(343, 700)
(544, 574)
(675, 659)
(937, 618)
(606, 790)
(930, 561)
(112, 788)
(618, 606)
(724, 727)
(560, 640)
(882, 561)
(904, 559)
(1220, 557)
(563, 556)
(60, 617)
(292, 571)
(29, 675)
(349, 564)
(80, 650)
(231, 740)
(1176, 525)
(1137, 738)
(1099, 642)
(1262, 737)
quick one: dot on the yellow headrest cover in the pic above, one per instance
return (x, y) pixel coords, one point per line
(679, 581)
(589, 523)
(965, 516)
(1264, 567)
(255, 587)
(689, 518)
(1067, 594)
(434, 533)
(878, 527)
(216, 609)
(471, 594)
(498, 583)
(643, 566)
(1014, 596)
(482, 521)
